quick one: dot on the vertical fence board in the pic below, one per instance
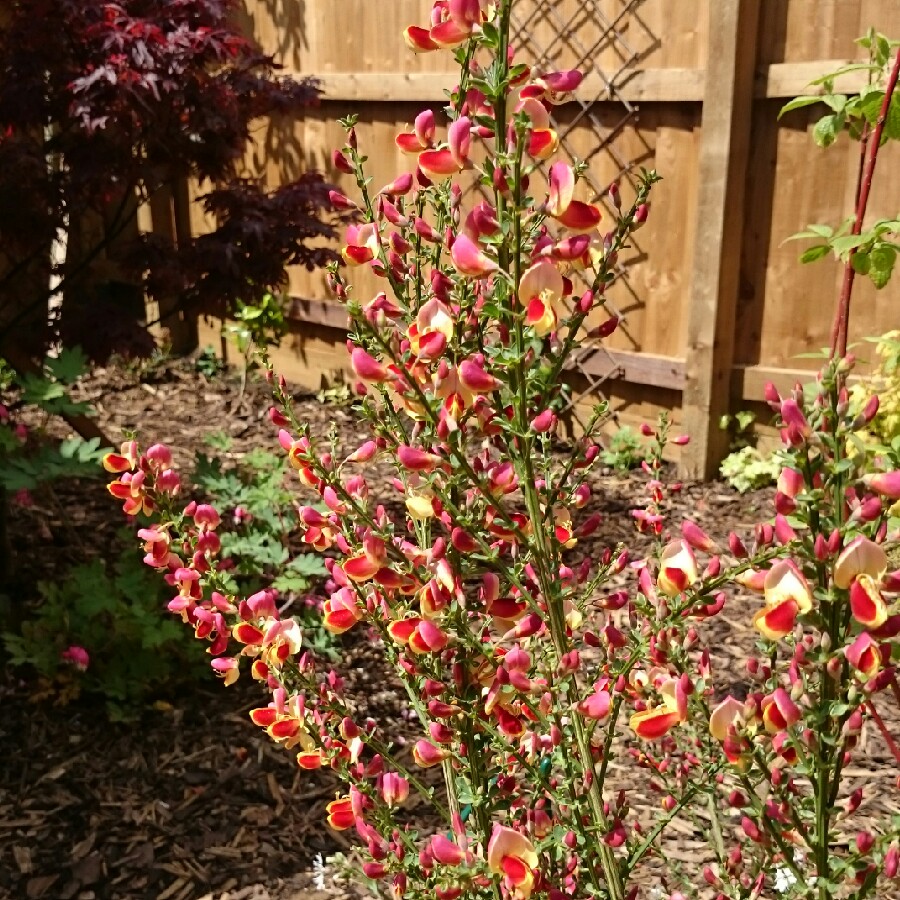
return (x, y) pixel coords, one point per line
(716, 267)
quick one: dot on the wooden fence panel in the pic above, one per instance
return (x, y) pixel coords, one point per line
(811, 30)
(782, 309)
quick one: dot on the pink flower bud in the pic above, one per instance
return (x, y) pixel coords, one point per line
(474, 377)
(870, 410)
(77, 657)
(276, 417)
(402, 184)
(427, 754)
(341, 201)
(544, 422)
(864, 842)
(697, 537)
(445, 851)
(367, 367)
(374, 870)
(752, 830)
(765, 534)
(783, 531)
(892, 861)
(416, 460)
(885, 483)
(736, 546)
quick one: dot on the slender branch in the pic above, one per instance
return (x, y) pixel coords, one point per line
(885, 733)
(842, 314)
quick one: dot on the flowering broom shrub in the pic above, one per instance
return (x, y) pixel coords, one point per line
(535, 673)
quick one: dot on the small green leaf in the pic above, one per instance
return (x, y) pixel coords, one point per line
(69, 366)
(814, 253)
(799, 103)
(882, 260)
(843, 245)
(871, 105)
(825, 130)
(825, 231)
(861, 263)
(892, 121)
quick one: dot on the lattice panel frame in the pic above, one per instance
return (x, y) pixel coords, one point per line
(611, 28)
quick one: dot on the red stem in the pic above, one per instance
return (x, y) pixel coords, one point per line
(889, 740)
(896, 689)
(842, 314)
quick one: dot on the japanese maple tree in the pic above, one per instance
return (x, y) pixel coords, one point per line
(107, 106)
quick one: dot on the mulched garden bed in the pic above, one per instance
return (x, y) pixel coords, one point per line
(192, 801)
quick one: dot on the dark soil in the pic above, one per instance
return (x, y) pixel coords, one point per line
(192, 801)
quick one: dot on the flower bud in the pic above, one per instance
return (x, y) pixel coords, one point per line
(341, 163)
(751, 829)
(736, 546)
(892, 861)
(864, 842)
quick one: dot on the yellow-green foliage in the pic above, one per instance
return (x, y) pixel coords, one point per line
(885, 382)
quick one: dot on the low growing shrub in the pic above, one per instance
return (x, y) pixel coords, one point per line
(101, 630)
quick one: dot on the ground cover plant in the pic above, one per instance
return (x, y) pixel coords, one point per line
(530, 670)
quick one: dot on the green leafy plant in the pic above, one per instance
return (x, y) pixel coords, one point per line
(746, 468)
(335, 395)
(259, 324)
(259, 526)
(115, 612)
(872, 251)
(28, 457)
(624, 450)
(884, 382)
(209, 363)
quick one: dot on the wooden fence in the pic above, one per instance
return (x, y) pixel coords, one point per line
(715, 304)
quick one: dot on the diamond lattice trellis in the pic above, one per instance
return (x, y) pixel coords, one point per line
(603, 38)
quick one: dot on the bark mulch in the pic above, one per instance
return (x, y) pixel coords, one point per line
(192, 802)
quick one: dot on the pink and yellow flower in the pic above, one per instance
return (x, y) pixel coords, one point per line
(542, 291)
(362, 244)
(860, 557)
(867, 603)
(512, 855)
(677, 568)
(779, 711)
(433, 328)
(656, 721)
(787, 595)
(421, 137)
(454, 158)
(543, 140)
(561, 205)
(865, 655)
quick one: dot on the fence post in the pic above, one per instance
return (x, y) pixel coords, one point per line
(715, 269)
(170, 215)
